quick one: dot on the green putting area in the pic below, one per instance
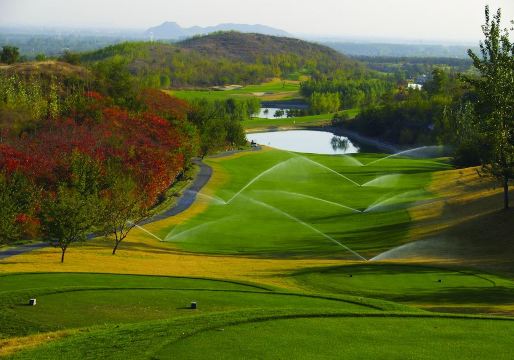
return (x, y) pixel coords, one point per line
(423, 286)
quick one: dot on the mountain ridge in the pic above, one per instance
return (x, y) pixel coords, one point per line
(171, 30)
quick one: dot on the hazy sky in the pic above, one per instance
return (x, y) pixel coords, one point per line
(408, 19)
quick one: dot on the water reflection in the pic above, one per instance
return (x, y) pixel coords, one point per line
(340, 143)
(306, 141)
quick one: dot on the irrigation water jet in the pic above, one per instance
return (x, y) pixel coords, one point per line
(325, 167)
(274, 209)
(353, 160)
(313, 198)
(386, 200)
(216, 199)
(257, 178)
(410, 151)
(188, 231)
(384, 181)
(146, 231)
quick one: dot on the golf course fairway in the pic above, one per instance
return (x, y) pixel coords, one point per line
(277, 203)
(277, 253)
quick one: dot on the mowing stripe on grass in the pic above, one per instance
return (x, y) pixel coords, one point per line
(272, 208)
(326, 168)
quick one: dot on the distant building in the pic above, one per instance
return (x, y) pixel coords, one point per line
(414, 86)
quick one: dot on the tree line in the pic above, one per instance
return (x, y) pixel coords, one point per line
(97, 158)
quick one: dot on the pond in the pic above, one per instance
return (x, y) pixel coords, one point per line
(306, 141)
(269, 113)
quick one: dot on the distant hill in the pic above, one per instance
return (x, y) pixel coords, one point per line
(225, 58)
(252, 47)
(173, 31)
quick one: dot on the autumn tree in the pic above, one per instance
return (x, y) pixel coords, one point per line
(494, 108)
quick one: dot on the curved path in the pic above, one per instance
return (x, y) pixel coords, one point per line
(189, 195)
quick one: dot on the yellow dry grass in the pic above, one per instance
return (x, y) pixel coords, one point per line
(150, 258)
(467, 217)
(12, 345)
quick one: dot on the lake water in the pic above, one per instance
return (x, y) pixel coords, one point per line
(306, 141)
(269, 113)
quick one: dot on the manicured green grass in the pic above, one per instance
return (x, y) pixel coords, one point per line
(277, 203)
(410, 284)
(311, 120)
(79, 300)
(351, 338)
(275, 89)
(289, 333)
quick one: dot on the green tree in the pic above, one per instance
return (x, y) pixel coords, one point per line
(70, 58)
(115, 80)
(125, 208)
(68, 217)
(10, 54)
(71, 214)
(18, 197)
(494, 107)
(40, 57)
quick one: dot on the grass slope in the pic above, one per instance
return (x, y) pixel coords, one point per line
(281, 204)
(292, 333)
(81, 300)
(428, 287)
(350, 338)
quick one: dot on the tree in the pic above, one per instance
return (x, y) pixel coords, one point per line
(495, 100)
(40, 57)
(10, 54)
(68, 217)
(125, 208)
(116, 81)
(18, 199)
(70, 214)
(70, 58)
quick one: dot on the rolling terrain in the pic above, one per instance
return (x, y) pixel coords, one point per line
(250, 284)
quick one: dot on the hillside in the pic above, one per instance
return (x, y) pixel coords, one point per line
(251, 47)
(224, 58)
(47, 69)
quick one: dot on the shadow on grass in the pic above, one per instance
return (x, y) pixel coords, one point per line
(480, 295)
